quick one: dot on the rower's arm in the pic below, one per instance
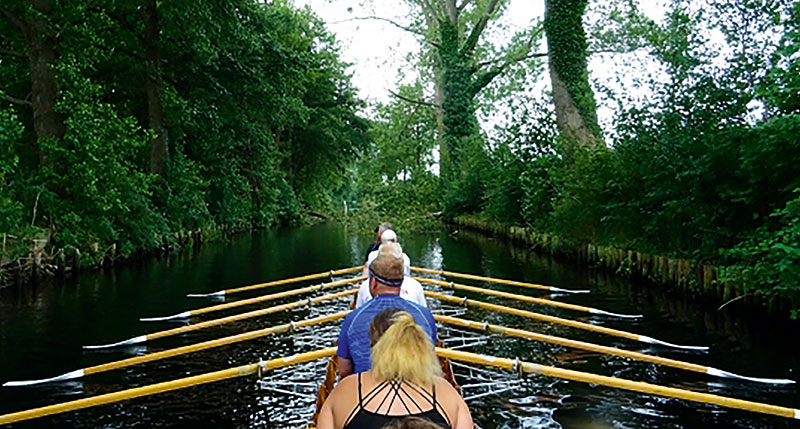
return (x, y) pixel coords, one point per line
(325, 420)
(344, 367)
(463, 416)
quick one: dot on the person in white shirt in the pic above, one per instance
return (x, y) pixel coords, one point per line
(410, 290)
(388, 236)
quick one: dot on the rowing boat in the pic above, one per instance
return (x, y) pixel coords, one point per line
(447, 355)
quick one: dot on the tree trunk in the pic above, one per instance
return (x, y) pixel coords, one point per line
(159, 147)
(576, 111)
(568, 117)
(44, 89)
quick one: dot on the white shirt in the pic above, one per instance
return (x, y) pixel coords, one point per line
(410, 290)
(406, 261)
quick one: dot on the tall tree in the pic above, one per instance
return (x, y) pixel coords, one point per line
(32, 20)
(576, 110)
(159, 147)
(455, 32)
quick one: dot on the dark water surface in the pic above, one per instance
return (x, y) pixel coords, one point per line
(43, 328)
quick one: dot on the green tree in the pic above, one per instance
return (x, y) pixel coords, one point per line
(576, 110)
(395, 174)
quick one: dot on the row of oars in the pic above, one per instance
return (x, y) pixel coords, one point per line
(521, 366)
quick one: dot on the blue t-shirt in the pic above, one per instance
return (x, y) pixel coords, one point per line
(354, 336)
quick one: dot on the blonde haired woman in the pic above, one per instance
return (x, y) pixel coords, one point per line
(405, 380)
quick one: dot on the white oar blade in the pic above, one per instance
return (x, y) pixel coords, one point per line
(720, 373)
(183, 315)
(558, 289)
(621, 316)
(206, 295)
(651, 340)
(134, 340)
(67, 376)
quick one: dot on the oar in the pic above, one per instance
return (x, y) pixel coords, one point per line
(525, 298)
(234, 304)
(275, 283)
(604, 349)
(246, 336)
(224, 320)
(152, 389)
(521, 366)
(619, 383)
(494, 280)
(557, 320)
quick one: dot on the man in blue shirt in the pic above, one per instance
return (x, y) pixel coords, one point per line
(386, 277)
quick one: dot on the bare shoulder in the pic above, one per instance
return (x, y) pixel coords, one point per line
(445, 390)
(348, 383)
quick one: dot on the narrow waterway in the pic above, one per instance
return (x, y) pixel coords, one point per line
(42, 330)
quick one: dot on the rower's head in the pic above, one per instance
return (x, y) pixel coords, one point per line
(389, 236)
(401, 349)
(380, 229)
(391, 248)
(386, 272)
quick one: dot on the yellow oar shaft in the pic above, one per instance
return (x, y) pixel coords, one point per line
(524, 298)
(167, 386)
(246, 336)
(274, 296)
(554, 320)
(292, 280)
(532, 315)
(619, 383)
(258, 299)
(571, 343)
(495, 280)
(248, 315)
(229, 319)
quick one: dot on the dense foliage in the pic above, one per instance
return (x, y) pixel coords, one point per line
(254, 107)
(706, 168)
(394, 179)
(699, 161)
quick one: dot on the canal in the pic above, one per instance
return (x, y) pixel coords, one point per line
(43, 329)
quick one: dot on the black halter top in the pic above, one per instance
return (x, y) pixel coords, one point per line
(361, 418)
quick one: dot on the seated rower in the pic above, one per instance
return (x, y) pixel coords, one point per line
(386, 277)
(404, 388)
(388, 236)
(410, 289)
(380, 229)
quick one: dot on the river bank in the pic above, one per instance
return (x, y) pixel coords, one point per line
(681, 275)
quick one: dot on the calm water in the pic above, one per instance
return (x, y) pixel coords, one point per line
(43, 328)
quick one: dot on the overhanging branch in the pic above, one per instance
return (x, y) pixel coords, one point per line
(15, 21)
(12, 53)
(390, 21)
(475, 34)
(411, 100)
(483, 64)
(463, 4)
(15, 100)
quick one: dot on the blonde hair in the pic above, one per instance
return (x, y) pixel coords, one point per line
(406, 352)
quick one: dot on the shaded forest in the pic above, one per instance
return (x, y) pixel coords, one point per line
(124, 123)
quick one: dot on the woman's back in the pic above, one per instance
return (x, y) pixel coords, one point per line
(378, 402)
(405, 380)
